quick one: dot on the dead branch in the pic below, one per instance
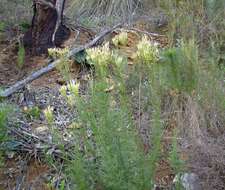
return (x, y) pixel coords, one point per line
(59, 10)
(20, 84)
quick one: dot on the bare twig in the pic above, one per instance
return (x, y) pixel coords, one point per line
(59, 10)
(19, 182)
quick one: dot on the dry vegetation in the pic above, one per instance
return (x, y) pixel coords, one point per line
(138, 111)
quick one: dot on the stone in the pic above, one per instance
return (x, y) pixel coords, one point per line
(189, 181)
(41, 131)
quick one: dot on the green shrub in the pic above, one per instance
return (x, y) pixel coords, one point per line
(111, 154)
(24, 26)
(33, 113)
(109, 151)
(64, 66)
(2, 26)
(180, 70)
(4, 111)
(120, 39)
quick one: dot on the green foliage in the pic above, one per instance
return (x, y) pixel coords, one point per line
(120, 39)
(2, 26)
(48, 112)
(180, 69)
(4, 111)
(174, 158)
(62, 185)
(147, 53)
(64, 66)
(33, 113)
(111, 155)
(198, 69)
(24, 26)
(108, 153)
(21, 56)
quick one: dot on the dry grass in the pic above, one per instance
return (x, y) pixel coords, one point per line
(15, 11)
(101, 13)
(203, 145)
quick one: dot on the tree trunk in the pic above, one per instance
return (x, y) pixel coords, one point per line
(47, 29)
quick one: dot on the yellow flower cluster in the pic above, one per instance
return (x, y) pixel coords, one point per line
(100, 56)
(48, 112)
(73, 89)
(147, 51)
(63, 90)
(58, 52)
(118, 60)
(120, 39)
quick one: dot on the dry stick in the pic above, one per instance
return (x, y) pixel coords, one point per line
(59, 10)
(19, 85)
(19, 182)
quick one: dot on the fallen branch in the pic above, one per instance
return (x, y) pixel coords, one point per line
(20, 84)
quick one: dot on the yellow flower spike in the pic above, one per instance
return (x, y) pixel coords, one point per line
(48, 112)
(120, 39)
(63, 90)
(100, 56)
(71, 100)
(75, 125)
(57, 52)
(119, 60)
(115, 41)
(123, 38)
(147, 52)
(73, 87)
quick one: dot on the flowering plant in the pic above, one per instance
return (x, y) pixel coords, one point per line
(100, 56)
(120, 39)
(58, 52)
(147, 51)
(73, 89)
(48, 112)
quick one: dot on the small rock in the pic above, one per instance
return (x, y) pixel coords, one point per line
(189, 181)
(43, 130)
